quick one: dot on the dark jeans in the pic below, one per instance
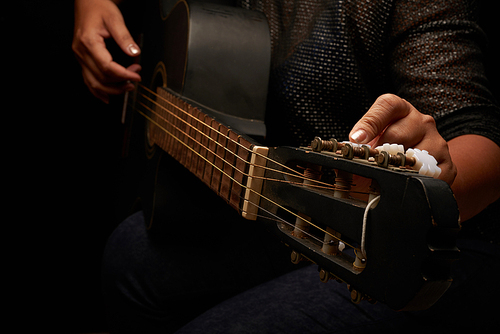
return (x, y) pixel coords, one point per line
(160, 285)
(157, 284)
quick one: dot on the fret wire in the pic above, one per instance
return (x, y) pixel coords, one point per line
(230, 177)
(184, 112)
(196, 129)
(327, 186)
(318, 184)
(240, 184)
(217, 131)
(295, 173)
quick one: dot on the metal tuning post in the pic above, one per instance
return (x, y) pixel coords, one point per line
(311, 173)
(332, 145)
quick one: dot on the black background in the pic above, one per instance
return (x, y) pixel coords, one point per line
(65, 188)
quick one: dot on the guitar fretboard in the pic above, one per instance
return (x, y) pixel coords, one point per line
(211, 151)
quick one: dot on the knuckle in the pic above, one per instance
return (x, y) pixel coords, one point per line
(373, 122)
(107, 73)
(399, 137)
(74, 46)
(442, 144)
(94, 85)
(82, 43)
(77, 43)
(388, 101)
(106, 69)
(125, 37)
(376, 118)
(428, 120)
(390, 105)
(387, 97)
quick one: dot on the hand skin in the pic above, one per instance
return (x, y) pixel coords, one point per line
(470, 164)
(96, 21)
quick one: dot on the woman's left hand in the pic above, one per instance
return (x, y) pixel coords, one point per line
(392, 119)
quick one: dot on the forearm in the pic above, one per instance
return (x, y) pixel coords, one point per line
(477, 183)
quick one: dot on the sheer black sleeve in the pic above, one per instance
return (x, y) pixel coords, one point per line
(436, 64)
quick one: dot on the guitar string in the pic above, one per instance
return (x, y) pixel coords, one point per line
(292, 225)
(220, 170)
(241, 185)
(329, 187)
(245, 187)
(295, 173)
(321, 185)
(318, 184)
(260, 195)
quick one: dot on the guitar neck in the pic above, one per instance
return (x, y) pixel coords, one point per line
(224, 160)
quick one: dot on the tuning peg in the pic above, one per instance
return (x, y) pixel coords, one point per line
(350, 151)
(296, 257)
(425, 163)
(319, 145)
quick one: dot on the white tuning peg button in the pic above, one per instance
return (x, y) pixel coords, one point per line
(425, 163)
(392, 149)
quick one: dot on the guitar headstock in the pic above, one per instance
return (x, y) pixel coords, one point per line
(367, 217)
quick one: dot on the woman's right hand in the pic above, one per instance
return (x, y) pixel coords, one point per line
(95, 21)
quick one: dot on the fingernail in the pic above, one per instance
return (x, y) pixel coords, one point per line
(359, 136)
(134, 49)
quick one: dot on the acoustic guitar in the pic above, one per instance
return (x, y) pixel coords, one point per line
(393, 242)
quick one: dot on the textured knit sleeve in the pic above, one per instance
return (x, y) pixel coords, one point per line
(437, 65)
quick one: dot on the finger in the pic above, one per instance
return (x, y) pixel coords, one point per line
(102, 91)
(411, 131)
(92, 53)
(118, 30)
(135, 68)
(93, 86)
(386, 110)
(107, 71)
(116, 73)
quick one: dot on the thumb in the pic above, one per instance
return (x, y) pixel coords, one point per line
(387, 109)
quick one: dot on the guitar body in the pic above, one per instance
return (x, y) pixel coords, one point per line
(200, 51)
(216, 57)
(207, 68)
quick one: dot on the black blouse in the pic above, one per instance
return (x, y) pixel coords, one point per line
(332, 59)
